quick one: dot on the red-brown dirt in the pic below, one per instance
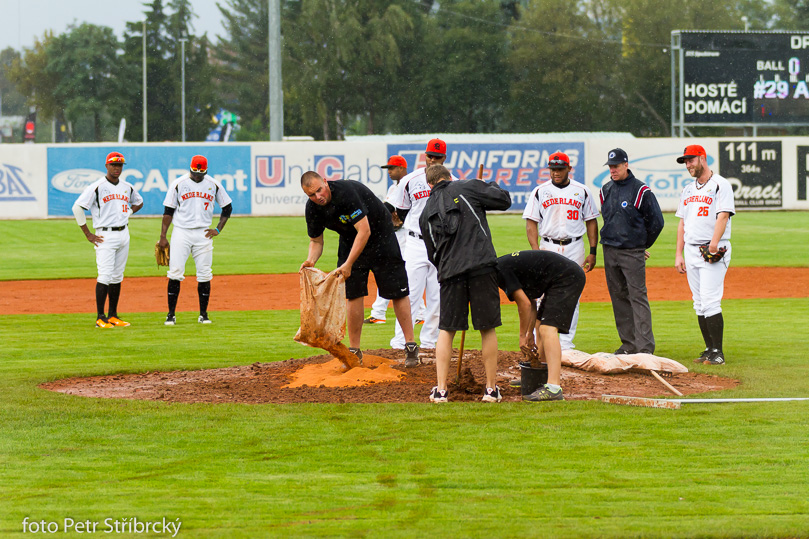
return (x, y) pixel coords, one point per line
(264, 382)
(268, 292)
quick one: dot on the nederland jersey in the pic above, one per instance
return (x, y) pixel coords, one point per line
(412, 195)
(560, 212)
(194, 201)
(701, 204)
(110, 204)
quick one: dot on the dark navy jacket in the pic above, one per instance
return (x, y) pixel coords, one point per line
(632, 216)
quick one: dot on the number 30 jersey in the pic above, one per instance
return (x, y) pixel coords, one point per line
(560, 212)
(194, 201)
(699, 206)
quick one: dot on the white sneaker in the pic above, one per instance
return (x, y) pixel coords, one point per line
(492, 395)
(171, 320)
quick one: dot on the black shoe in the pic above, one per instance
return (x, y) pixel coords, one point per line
(203, 319)
(438, 396)
(705, 355)
(716, 357)
(357, 352)
(515, 383)
(544, 394)
(623, 350)
(412, 355)
(170, 319)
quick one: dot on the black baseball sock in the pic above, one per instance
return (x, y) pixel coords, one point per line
(114, 293)
(716, 328)
(204, 291)
(703, 327)
(101, 298)
(174, 294)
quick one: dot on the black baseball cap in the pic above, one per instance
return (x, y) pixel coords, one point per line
(616, 157)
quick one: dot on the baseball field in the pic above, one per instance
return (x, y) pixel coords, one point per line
(76, 466)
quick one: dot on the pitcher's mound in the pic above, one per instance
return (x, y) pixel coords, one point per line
(382, 378)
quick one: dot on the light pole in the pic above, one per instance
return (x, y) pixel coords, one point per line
(746, 22)
(144, 82)
(276, 92)
(182, 99)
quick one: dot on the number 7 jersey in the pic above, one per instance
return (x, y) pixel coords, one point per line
(700, 204)
(194, 201)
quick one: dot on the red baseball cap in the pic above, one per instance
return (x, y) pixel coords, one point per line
(396, 161)
(115, 158)
(436, 147)
(558, 160)
(695, 150)
(199, 164)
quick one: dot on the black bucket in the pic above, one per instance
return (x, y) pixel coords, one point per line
(531, 379)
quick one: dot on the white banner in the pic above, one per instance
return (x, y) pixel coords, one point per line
(278, 166)
(23, 181)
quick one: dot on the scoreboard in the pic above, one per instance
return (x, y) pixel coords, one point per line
(743, 77)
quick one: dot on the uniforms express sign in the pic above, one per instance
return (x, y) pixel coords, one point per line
(517, 168)
(149, 169)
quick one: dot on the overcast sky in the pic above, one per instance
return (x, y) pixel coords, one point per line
(21, 21)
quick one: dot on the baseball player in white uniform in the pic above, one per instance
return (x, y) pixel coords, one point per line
(422, 276)
(705, 208)
(110, 201)
(397, 169)
(189, 204)
(558, 214)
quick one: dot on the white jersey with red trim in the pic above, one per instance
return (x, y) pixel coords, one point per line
(194, 201)
(109, 204)
(412, 195)
(560, 212)
(699, 206)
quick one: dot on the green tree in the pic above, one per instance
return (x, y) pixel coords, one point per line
(561, 68)
(13, 101)
(72, 77)
(165, 26)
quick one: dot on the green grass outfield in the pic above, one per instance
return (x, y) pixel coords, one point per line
(573, 469)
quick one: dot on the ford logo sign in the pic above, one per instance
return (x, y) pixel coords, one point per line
(75, 180)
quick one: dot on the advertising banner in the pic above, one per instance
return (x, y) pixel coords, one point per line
(277, 170)
(151, 169)
(652, 161)
(23, 185)
(753, 168)
(516, 167)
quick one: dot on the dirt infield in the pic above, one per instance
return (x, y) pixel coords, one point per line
(265, 382)
(262, 383)
(269, 292)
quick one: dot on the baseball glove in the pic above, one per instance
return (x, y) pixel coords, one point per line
(711, 258)
(161, 255)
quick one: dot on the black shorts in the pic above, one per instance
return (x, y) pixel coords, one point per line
(480, 291)
(390, 275)
(559, 302)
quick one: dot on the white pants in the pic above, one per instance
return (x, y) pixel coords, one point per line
(111, 255)
(707, 281)
(190, 241)
(422, 277)
(575, 252)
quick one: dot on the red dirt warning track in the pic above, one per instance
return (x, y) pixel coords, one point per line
(271, 292)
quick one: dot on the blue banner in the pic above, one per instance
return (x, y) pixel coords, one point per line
(151, 169)
(517, 167)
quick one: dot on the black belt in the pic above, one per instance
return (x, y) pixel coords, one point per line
(562, 242)
(419, 236)
(112, 228)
